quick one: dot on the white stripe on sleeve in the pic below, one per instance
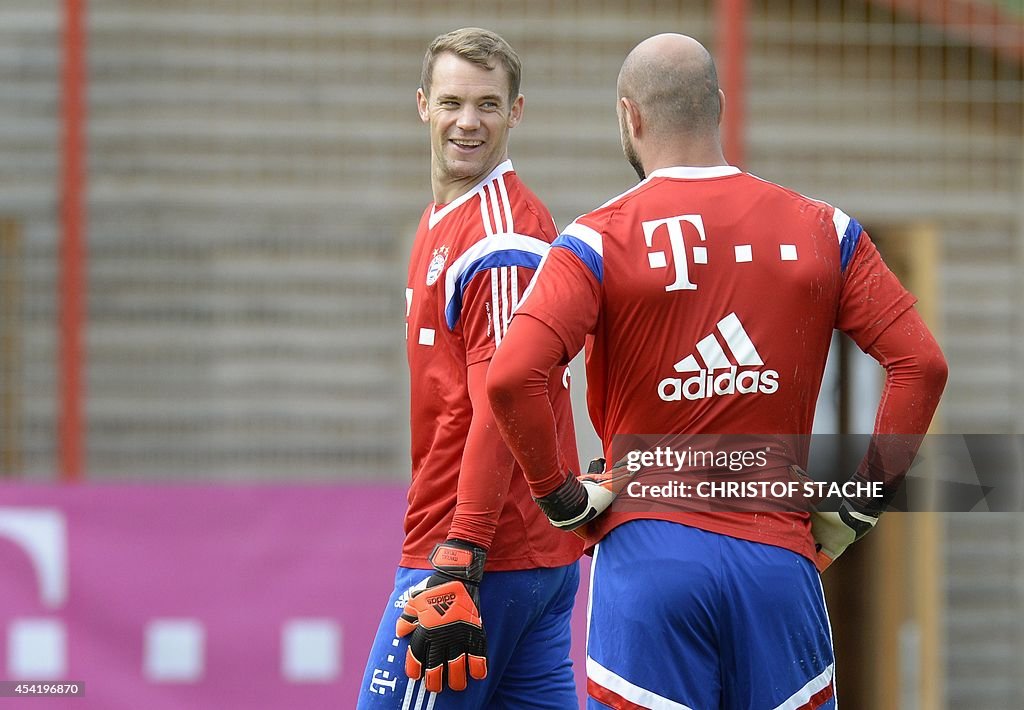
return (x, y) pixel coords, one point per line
(509, 227)
(841, 220)
(590, 237)
(504, 295)
(495, 209)
(485, 216)
(515, 288)
(495, 316)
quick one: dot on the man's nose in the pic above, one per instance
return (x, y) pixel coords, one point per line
(468, 118)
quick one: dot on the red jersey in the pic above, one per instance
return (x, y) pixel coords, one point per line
(711, 297)
(471, 261)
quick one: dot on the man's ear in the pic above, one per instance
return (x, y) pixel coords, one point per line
(421, 106)
(721, 106)
(634, 123)
(515, 114)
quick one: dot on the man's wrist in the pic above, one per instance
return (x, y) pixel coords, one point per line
(859, 519)
(566, 502)
(459, 559)
(868, 476)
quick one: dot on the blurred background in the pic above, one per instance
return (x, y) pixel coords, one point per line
(206, 206)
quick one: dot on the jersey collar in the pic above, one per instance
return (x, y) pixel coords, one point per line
(687, 173)
(436, 215)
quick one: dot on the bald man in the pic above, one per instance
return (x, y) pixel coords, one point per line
(707, 299)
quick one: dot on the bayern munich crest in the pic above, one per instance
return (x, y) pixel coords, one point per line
(437, 260)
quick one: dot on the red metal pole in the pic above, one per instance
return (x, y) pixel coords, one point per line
(731, 37)
(71, 297)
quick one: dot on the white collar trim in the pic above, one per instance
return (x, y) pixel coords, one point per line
(437, 215)
(688, 173)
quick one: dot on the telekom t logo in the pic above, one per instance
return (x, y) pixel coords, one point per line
(37, 647)
(674, 227)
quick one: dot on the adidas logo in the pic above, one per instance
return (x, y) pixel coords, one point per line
(441, 602)
(407, 595)
(733, 379)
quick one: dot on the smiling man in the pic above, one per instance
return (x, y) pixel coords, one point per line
(485, 586)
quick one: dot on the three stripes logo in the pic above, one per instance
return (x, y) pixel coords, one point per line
(409, 593)
(442, 603)
(720, 376)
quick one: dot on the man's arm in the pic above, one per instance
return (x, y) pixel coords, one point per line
(486, 469)
(916, 374)
(550, 326)
(448, 643)
(517, 385)
(547, 331)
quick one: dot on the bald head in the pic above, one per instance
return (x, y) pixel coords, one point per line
(672, 80)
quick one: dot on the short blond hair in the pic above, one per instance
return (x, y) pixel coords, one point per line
(479, 46)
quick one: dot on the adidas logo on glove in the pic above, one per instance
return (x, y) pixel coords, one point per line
(720, 376)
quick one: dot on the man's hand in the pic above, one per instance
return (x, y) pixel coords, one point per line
(834, 532)
(447, 634)
(581, 499)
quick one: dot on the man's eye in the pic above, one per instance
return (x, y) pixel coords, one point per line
(448, 104)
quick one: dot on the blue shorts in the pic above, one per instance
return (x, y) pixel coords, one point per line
(682, 619)
(526, 616)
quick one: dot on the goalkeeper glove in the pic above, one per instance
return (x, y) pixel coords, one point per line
(835, 531)
(581, 499)
(447, 635)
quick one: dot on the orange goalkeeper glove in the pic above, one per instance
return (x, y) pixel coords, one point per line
(447, 639)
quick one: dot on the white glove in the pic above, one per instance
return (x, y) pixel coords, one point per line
(834, 532)
(580, 499)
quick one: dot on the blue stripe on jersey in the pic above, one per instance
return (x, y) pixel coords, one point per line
(848, 243)
(585, 252)
(491, 260)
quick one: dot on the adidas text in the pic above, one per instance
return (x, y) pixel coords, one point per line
(703, 384)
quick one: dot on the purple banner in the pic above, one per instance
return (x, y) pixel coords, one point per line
(198, 596)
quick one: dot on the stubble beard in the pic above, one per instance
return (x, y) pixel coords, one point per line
(634, 160)
(452, 169)
(629, 150)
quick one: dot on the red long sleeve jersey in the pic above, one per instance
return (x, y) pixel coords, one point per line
(711, 297)
(471, 261)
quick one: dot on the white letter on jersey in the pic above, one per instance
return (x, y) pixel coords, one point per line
(675, 237)
(408, 310)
